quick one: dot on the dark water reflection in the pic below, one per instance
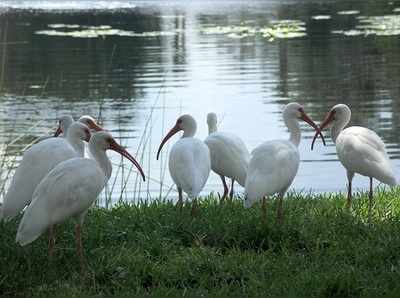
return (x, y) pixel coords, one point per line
(138, 85)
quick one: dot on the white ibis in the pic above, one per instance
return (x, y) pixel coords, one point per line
(228, 153)
(39, 160)
(69, 190)
(359, 149)
(274, 164)
(66, 121)
(189, 160)
(63, 124)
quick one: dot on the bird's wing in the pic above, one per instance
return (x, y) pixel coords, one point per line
(229, 155)
(36, 162)
(365, 136)
(272, 168)
(68, 190)
(201, 156)
(189, 165)
(362, 151)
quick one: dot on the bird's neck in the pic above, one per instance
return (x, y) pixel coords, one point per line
(294, 129)
(337, 128)
(76, 143)
(189, 133)
(65, 126)
(212, 128)
(102, 160)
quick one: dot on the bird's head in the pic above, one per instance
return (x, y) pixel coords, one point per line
(212, 122)
(295, 110)
(79, 130)
(64, 123)
(185, 123)
(340, 113)
(90, 122)
(104, 141)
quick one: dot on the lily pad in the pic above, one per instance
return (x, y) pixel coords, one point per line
(348, 12)
(69, 26)
(321, 17)
(387, 25)
(100, 31)
(281, 29)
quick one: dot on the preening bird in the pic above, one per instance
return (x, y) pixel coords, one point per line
(189, 160)
(359, 149)
(70, 189)
(39, 160)
(228, 153)
(274, 164)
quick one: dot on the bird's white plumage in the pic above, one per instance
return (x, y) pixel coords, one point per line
(229, 155)
(67, 191)
(272, 168)
(362, 151)
(274, 164)
(36, 163)
(189, 165)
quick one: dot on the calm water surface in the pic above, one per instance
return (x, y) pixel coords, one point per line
(138, 65)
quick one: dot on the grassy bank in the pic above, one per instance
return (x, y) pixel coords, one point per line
(321, 250)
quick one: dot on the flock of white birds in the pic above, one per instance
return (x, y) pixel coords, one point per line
(54, 181)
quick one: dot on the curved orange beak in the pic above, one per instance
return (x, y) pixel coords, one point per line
(308, 120)
(173, 131)
(328, 119)
(121, 150)
(58, 131)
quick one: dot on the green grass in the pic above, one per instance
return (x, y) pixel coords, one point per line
(321, 250)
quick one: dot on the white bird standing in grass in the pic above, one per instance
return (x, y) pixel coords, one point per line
(189, 160)
(274, 164)
(39, 160)
(69, 190)
(229, 155)
(359, 149)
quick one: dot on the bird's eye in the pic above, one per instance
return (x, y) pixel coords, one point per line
(301, 110)
(179, 121)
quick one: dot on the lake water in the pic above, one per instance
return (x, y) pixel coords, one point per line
(138, 65)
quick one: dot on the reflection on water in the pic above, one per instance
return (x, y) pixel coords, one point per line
(138, 65)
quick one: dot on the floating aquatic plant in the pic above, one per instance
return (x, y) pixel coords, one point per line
(348, 12)
(276, 30)
(56, 26)
(97, 31)
(388, 25)
(284, 29)
(321, 17)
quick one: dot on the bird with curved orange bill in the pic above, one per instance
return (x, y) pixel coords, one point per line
(274, 164)
(189, 160)
(359, 149)
(70, 189)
